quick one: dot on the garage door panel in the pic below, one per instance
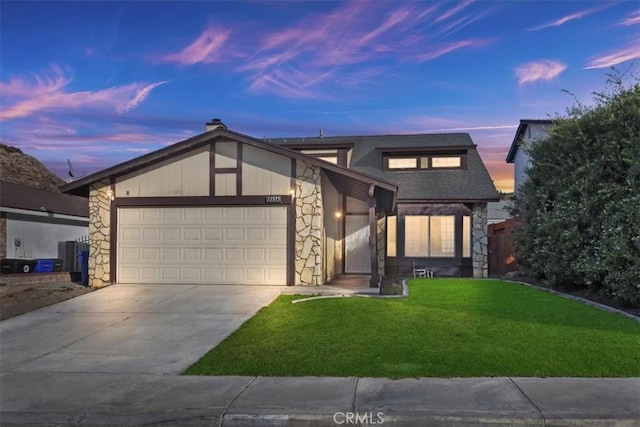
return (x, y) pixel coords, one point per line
(191, 234)
(212, 234)
(152, 254)
(171, 234)
(202, 245)
(170, 254)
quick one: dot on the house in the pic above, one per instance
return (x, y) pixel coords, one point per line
(34, 222)
(501, 210)
(527, 132)
(223, 207)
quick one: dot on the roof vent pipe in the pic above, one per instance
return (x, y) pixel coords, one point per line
(214, 124)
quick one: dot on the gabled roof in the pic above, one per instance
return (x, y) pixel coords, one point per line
(522, 127)
(464, 185)
(33, 199)
(354, 183)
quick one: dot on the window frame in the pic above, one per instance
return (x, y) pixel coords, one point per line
(420, 165)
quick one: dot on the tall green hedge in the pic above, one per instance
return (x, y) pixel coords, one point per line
(580, 207)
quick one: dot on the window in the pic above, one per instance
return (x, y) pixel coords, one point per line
(445, 162)
(425, 161)
(429, 236)
(403, 163)
(416, 235)
(466, 236)
(442, 236)
(392, 222)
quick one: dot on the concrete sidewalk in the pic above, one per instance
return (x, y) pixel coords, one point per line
(145, 399)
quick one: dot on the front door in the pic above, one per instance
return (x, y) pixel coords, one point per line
(357, 253)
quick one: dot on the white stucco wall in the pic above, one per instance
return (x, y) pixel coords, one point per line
(521, 160)
(39, 236)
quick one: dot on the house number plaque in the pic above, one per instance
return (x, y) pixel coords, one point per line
(273, 199)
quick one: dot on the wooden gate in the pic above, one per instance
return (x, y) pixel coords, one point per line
(501, 254)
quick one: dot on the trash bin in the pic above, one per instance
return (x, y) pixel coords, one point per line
(25, 265)
(9, 266)
(83, 257)
(43, 266)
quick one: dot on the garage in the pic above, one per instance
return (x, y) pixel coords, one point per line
(203, 245)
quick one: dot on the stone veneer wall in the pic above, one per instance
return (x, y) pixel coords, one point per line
(479, 248)
(99, 234)
(308, 246)
(3, 237)
(382, 231)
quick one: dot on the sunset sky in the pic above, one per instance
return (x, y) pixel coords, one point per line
(102, 82)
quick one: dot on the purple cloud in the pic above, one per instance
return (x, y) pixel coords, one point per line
(46, 92)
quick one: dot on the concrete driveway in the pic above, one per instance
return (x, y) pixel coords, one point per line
(129, 329)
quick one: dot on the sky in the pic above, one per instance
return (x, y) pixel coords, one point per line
(100, 83)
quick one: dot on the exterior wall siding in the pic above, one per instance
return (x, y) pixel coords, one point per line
(309, 219)
(181, 176)
(521, 160)
(99, 234)
(479, 241)
(264, 173)
(333, 240)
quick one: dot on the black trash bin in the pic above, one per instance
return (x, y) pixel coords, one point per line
(25, 265)
(9, 266)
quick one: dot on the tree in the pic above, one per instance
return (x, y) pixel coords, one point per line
(580, 207)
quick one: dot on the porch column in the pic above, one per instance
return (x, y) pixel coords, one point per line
(373, 242)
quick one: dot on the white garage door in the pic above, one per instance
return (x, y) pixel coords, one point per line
(214, 245)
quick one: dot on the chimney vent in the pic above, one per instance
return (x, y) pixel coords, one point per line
(215, 124)
(321, 133)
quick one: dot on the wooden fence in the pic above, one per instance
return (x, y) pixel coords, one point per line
(501, 254)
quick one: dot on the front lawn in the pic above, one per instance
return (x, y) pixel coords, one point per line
(445, 328)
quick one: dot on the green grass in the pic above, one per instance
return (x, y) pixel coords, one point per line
(445, 328)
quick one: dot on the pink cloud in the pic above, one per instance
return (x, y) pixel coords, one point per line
(46, 92)
(632, 51)
(565, 19)
(437, 51)
(453, 11)
(205, 49)
(539, 70)
(354, 34)
(632, 19)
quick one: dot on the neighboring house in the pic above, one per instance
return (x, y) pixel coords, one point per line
(501, 210)
(34, 222)
(527, 132)
(222, 207)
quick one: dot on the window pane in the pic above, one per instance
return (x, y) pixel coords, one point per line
(226, 154)
(416, 235)
(424, 162)
(403, 163)
(442, 242)
(466, 236)
(391, 235)
(445, 162)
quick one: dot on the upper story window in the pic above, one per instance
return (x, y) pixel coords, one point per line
(445, 162)
(425, 161)
(402, 163)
